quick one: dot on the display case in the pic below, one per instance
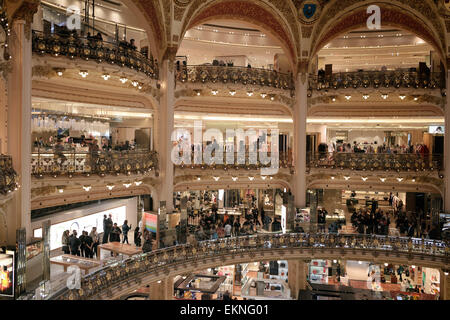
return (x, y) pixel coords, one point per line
(318, 271)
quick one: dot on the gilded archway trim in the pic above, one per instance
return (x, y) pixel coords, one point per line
(390, 16)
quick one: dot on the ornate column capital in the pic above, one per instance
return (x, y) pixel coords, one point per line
(26, 11)
(170, 54)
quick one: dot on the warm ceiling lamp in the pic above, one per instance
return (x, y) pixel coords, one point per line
(60, 190)
(399, 179)
(251, 178)
(384, 96)
(364, 178)
(134, 83)
(123, 79)
(138, 183)
(272, 97)
(87, 188)
(234, 178)
(383, 179)
(348, 97)
(140, 86)
(127, 185)
(214, 92)
(365, 96)
(110, 187)
(346, 178)
(84, 73)
(250, 93)
(263, 95)
(263, 177)
(106, 76)
(232, 92)
(402, 97)
(216, 178)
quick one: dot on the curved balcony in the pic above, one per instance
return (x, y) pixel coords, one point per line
(73, 163)
(96, 50)
(377, 79)
(238, 161)
(127, 275)
(376, 161)
(235, 75)
(8, 176)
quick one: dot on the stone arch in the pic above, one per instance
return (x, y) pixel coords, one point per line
(148, 14)
(262, 16)
(392, 15)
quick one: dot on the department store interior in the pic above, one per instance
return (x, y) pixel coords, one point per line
(91, 181)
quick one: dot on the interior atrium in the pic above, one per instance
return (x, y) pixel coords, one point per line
(224, 150)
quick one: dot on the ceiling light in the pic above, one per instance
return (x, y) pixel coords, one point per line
(272, 97)
(106, 76)
(365, 96)
(263, 95)
(198, 178)
(332, 178)
(123, 79)
(348, 97)
(197, 92)
(334, 261)
(249, 93)
(232, 92)
(134, 83)
(334, 99)
(416, 98)
(360, 262)
(87, 188)
(383, 179)
(127, 185)
(413, 180)
(83, 73)
(214, 92)
(385, 264)
(446, 273)
(110, 187)
(271, 178)
(138, 183)
(263, 177)
(234, 178)
(251, 178)
(346, 178)
(216, 178)
(402, 97)
(140, 86)
(364, 178)
(399, 179)
(384, 96)
(60, 190)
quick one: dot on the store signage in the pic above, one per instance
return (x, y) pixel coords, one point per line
(151, 222)
(283, 218)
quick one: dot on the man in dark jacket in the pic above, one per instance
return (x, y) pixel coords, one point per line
(410, 232)
(74, 244)
(82, 244)
(88, 245)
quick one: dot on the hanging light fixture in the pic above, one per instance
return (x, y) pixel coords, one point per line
(365, 96)
(263, 177)
(346, 178)
(127, 185)
(364, 178)
(232, 92)
(399, 179)
(250, 93)
(251, 178)
(140, 86)
(263, 95)
(123, 79)
(134, 83)
(384, 96)
(106, 76)
(402, 97)
(348, 97)
(83, 73)
(234, 178)
(110, 187)
(216, 178)
(60, 190)
(87, 188)
(383, 179)
(198, 178)
(138, 183)
(214, 92)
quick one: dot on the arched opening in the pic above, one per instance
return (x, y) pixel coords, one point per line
(251, 15)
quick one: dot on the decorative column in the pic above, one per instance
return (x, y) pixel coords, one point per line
(297, 276)
(162, 290)
(165, 124)
(447, 147)
(19, 118)
(300, 111)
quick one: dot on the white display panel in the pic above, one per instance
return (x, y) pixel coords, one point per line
(85, 223)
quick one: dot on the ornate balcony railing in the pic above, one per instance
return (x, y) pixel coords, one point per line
(97, 50)
(239, 160)
(376, 161)
(377, 79)
(242, 75)
(73, 163)
(8, 176)
(159, 261)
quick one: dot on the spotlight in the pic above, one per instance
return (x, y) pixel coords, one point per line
(87, 188)
(348, 97)
(127, 185)
(234, 178)
(110, 187)
(84, 73)
(106, 76)
(249, 93)
(232, 92)
(138, 183)
(123, 79)
(214, 92)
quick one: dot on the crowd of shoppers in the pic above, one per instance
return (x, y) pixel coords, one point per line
(419, 149)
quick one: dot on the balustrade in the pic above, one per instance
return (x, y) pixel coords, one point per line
(377, 79)
(85, 163)
(8, 176)
(93, 49)
(376, 161)
(158, 261)
(242, 75)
